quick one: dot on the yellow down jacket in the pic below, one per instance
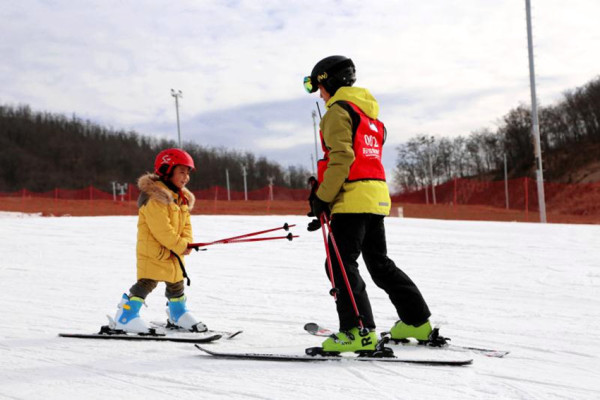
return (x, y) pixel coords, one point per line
(367, 196)
(163, 227)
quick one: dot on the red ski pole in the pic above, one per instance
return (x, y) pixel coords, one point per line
(285, 227)
(325, 221)
(289, 237)
(334, 291)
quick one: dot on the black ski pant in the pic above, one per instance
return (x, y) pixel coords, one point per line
(365, 233)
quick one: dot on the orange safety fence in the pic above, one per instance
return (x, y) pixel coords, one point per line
(515, 194)
(455, 199)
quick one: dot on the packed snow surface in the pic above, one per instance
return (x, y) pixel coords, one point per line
(532, 289)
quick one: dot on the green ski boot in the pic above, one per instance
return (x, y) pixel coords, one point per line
(402, 331)
(350, 341)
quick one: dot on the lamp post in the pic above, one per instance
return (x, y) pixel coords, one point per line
(244, 173)
(177, 94)
(271, 179)
(535, 125)
(228, 187)
(506, 182)
(429, 143)
(314, 117)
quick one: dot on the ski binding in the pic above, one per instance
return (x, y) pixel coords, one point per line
(168, 326)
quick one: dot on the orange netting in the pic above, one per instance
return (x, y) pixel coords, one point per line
(457, 199)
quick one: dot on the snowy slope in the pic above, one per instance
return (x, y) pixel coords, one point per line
(529, 288)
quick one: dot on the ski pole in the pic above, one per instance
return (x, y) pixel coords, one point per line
(334, 291)
(289, 237)
(325, 220)
(285, 227)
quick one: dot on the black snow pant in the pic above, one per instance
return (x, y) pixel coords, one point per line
(356, 233)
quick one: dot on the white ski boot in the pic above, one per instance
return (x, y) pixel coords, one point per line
(180, 317)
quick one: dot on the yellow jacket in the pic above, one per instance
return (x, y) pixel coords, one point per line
(368, 196)
(163, 227)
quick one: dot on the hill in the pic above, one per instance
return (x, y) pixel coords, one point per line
(577, 163)
(40, 151)
(570, 141)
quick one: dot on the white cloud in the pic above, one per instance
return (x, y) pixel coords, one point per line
(440, 67)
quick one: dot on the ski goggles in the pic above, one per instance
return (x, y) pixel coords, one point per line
(308, 85)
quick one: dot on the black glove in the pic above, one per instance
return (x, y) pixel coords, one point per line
(317, 207)
(313, 225)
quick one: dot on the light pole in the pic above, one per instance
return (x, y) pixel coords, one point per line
(429, 142)
(244, 172)
(314, 117)
(228, 187)
(505, 181)
(534, 119)
(177, 94)
(271, 179)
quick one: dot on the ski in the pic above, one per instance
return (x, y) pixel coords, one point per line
(348, 358)
(174, 328)
(108, 333)
(317, 330)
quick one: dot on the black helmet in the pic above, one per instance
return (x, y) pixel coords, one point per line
(332, 72)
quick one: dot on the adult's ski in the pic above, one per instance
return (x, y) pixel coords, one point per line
(348, 358)
(174, 328)
(318, 330)
(108, 333)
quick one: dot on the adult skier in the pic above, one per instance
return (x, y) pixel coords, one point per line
(353, 191)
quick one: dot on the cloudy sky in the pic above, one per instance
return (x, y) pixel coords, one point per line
(439, 67)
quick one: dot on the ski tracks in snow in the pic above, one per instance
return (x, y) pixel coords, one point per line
(528, 288)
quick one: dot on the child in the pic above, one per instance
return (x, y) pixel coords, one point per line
(164, 232)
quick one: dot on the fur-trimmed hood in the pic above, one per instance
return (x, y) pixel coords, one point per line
(151, 187)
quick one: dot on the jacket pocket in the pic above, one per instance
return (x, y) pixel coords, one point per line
(156, 251)
(164, 253)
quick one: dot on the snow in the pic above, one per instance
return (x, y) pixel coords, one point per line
(529, 288)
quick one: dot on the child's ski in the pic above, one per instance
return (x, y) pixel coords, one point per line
(108, 333)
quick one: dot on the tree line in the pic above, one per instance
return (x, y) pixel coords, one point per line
(40, 151)
(574, 122)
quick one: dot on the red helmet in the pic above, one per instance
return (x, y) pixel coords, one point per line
(170, 158)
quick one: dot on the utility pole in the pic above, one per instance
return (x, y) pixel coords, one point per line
(245, 184)
(177, 94)
(228, 187)
(534, 119)
(314, 117)
(505, 181)
(114, 187)
(429, 142)
(271, 179)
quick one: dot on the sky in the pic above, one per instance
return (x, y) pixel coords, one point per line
(442, 68)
